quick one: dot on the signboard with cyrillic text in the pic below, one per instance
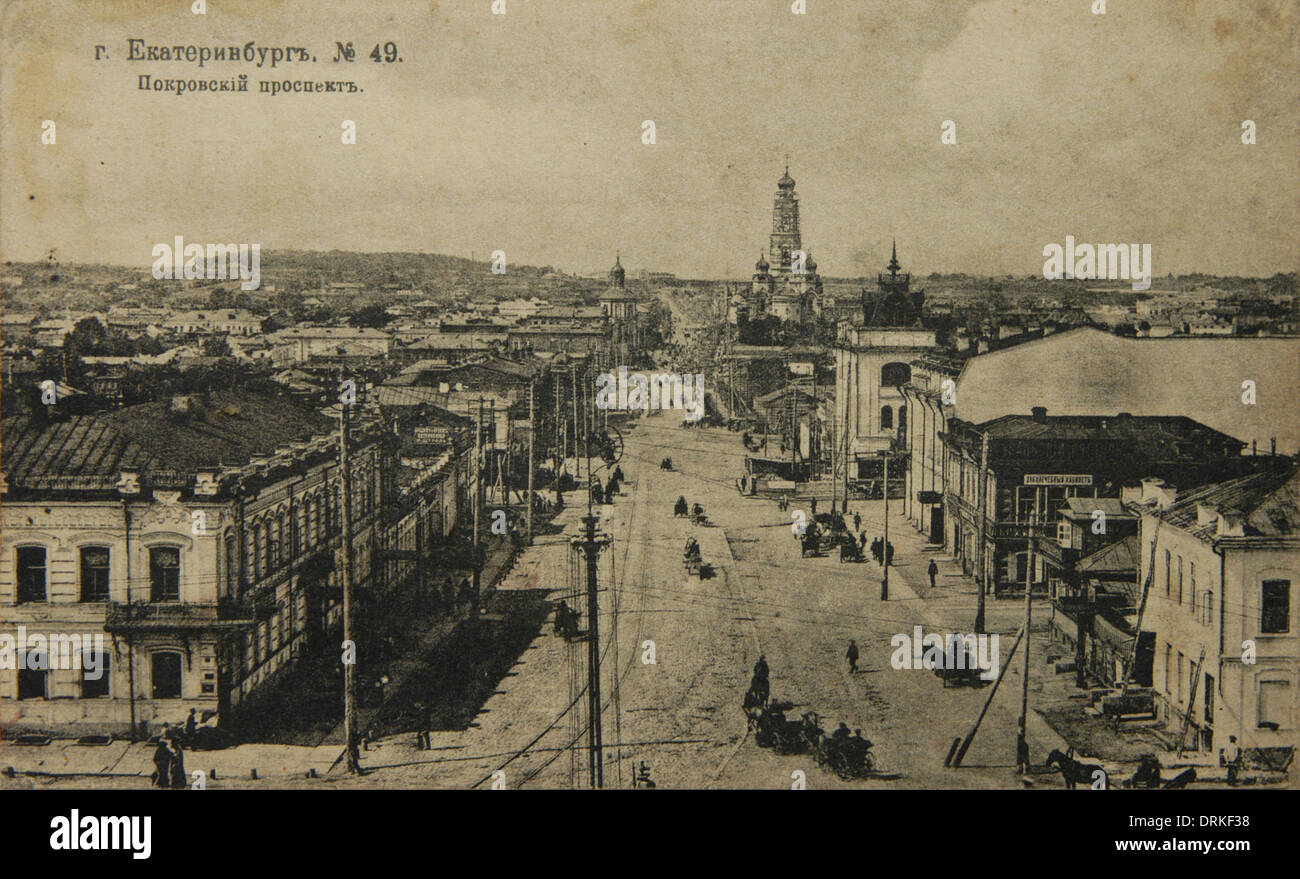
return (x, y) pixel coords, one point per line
(1058, 479)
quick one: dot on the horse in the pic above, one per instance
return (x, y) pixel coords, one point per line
(1072, 771)
(758, 693)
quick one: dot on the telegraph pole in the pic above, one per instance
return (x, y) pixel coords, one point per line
(478, 501)
(884, 550)
(532, 433)
(1022, 742)
(349, 668)
(577, 450)
(591, 546)
(979, 533)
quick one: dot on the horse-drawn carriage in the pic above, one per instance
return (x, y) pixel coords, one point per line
(848, 756)
(772, 729)
(692, 558)
(666, 464)
(697, 516)
(681, 508)
(958, 666)
(566, 621)
(850, 550)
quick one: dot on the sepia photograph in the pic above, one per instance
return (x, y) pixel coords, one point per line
(693, 395)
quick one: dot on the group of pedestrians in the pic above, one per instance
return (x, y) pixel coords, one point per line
(169, 755)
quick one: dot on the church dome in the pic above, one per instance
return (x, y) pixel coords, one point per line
(762, 265)
(810, 264)
(786, 181)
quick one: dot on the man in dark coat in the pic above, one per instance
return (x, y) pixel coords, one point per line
(760, 668)
(933, 571)
(889, 554)
(852, 655)
(162, 764)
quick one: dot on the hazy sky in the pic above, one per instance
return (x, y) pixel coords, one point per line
(522, 132)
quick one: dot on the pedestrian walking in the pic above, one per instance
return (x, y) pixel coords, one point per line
(424, 717)
(191, 724)
(876, 549)
(933, 571)
(1233, 759)
(889, 554)
(857, 521)
(852, 655)
(177, 763)
(162, 762)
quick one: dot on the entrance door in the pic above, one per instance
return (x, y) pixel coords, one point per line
(936, 525)
(166, 675)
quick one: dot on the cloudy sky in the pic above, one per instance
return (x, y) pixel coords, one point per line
(522, 132)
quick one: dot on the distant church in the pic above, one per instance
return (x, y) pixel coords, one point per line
(785, 282)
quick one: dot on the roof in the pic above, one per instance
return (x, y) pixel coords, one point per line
(1084, 507)
(1139, 427)
(1269, 501)
(328, 333)
(1115, 558)
(1092, 371)
(237, 426)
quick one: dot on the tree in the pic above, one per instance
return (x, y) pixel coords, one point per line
(220, 297)
(373, 316)
(216, 346)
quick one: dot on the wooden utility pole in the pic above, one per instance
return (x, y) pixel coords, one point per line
(577, 450)
(476, 562)
(1142, 606)
(970, 737)
(979, 533)
(884, 550)
(591, 546)
(1022, 738)
(532, 433)
(1191, 702)
(349, 668)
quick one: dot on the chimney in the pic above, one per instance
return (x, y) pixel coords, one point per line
(1206, 514)
(1155, 490)
(1040, 414)
(1232, 523)
(1130, 494)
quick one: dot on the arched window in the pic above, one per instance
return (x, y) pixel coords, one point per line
(894, 374)
(886, 418)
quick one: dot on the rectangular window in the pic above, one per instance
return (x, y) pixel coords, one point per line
(165, 573)
(1191, 583)
(1180, 580)
(94, 675)
(32, 681)
(1275, 607)
(1274, 704)
(1168, 581)
(166, 676)
(1169, 659)
(94, 573)
(31, 573)
(1209, 698)
(1180, 677)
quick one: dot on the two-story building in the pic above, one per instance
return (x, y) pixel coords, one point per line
(200, 539)
(1223, 606)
